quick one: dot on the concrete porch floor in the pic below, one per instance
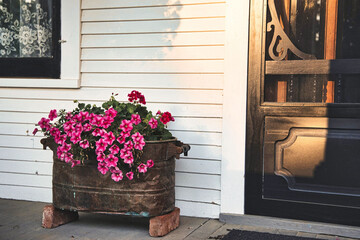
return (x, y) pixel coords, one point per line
(22, 220)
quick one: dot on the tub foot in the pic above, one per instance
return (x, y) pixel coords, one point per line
(54, 217)
(162, 225)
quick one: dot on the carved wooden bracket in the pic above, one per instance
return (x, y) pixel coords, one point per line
(285, 44)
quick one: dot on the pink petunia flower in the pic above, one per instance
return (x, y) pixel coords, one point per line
(74, 163)
(97, 121)
(135, 119)
(96, 132)
(52, 114)
(129, 159)
(84, 144)
(117, 175)
(111, 112)
(44, 123)
(35, 131)
(153, 123)
(87, 127)
(76, 137)
(150, 163)
(101, 145)
(68, 157)
(111, 161)
(142, 168)
(81, 116)
(114, 149)
(121, 139)
(128, 145)
(124, 153)
(103, 168)
(100, 157)
(130, 175)
(79, 127)
(65, 147)
(126, 125)
(60, 139)
(107, 121)
(109, 138)
(68, 116)
(139, 141)
(54, 132)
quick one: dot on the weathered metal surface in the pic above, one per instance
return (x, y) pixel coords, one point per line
(84, 188)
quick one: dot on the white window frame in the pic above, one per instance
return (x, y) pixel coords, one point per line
(70, 53)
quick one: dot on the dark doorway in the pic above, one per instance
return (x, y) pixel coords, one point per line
(303, 118)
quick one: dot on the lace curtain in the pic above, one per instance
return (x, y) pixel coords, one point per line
(25, 28)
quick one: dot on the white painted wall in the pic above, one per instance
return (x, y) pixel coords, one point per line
(170, 50)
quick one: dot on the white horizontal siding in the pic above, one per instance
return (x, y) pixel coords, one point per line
(155, 53)
(154, 26)
(158, 81)
(91, 4)
(170, 50)
(154, 40)
(155, 13)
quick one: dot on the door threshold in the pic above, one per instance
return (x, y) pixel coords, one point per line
(291, 225)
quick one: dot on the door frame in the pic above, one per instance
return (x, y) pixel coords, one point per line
(257, 109)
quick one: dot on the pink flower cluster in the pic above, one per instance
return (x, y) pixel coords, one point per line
(110, 149)
(117, 142)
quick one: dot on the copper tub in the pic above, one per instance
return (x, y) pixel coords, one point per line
(84, 188)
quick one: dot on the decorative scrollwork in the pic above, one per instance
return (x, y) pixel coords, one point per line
(285, 44)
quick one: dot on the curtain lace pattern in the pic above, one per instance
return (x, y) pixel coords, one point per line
(25, 28)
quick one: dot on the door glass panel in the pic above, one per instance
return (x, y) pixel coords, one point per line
(310, 30)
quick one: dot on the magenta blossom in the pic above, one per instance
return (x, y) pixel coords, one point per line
(44, 123)
(126, 125)
(150, 163)
(109, 138)
(76, 137)
(135, 119)
(60, 139)
(101, 145)
(111, 161)
(130, 175)
(75, 162)
(84, 144)
(142, 168)
(121, 139)
(117, 175)
(87, 127)
(107, 121)
(124, 153)
(96, 132)
(139, 141)
(129, 159)
(111, 112)
(102, 168)
(114, 149)
(54, 132)
(100, 157)
(35, 131)
(128, 145)
(97, 121)
(52, 114)
(153, 123)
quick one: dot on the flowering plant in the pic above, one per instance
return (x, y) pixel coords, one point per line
(115, 133)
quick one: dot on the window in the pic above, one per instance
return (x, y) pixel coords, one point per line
(29, 38)
(313, 51)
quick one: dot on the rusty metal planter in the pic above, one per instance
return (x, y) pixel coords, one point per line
(84, 188)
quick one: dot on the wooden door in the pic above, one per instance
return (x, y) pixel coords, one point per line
(303, 116)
